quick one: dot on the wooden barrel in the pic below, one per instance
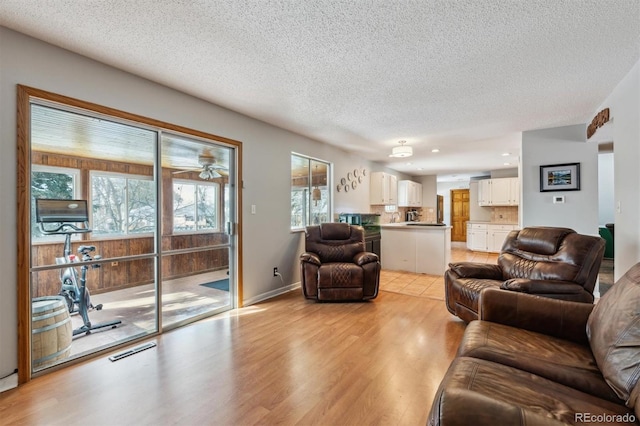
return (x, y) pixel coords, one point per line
(51, 331)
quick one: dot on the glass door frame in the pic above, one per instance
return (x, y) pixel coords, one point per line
(25, 97)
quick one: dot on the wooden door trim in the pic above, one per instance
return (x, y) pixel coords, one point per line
(24, 96)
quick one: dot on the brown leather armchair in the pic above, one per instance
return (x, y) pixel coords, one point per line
(550, 262)
(335, 265)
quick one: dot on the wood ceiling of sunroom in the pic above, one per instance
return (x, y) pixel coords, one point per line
(67, 133)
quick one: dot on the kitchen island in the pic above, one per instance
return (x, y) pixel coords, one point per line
(416, 247)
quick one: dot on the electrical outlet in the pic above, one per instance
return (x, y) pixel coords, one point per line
(275, 271)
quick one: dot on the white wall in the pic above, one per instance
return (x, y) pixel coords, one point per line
(557, 146)
(606, 203)
(504, 173)
(268, 241)
(624, 107)
(429, 191)
(477, 212)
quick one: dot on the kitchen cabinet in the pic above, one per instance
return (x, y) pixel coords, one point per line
(373, 246)
(383, 189)
(478, 237)
(484, 192)
(418, 249)
(496, 234)
(487, 237)
(409, 194)
(398, 250)
(432, 251)
(499, 192)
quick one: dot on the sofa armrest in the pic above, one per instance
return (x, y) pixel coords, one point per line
(558, 318)
(525, 285)
(476, 270)
(310, 258)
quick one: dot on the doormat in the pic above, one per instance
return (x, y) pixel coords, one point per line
(220, 284)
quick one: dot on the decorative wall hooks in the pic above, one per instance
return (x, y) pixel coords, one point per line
(352, 180)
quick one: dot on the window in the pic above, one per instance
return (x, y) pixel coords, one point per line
(122, 204)
(310, 195)
(51, 182)
(195, 206)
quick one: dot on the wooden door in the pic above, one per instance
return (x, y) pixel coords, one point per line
(459, 214)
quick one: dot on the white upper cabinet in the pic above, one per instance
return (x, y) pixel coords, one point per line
(383, 189)
(484, 192)
(499, 192)
(409, 194)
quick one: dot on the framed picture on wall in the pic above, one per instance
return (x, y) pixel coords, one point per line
(560, 177)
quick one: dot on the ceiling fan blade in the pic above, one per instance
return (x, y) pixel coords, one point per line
(184, 171)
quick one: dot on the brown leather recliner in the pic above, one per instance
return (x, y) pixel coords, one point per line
(551, 262)
(335, 265)
(532, 360)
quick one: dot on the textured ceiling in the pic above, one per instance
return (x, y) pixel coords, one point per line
(462, 76)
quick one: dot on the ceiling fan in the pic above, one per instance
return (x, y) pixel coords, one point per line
(209, 169)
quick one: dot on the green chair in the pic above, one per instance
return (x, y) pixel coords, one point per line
(608, 238)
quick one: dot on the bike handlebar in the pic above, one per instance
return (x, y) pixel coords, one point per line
(65, 228)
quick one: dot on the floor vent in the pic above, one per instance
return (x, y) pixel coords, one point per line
(132, 351)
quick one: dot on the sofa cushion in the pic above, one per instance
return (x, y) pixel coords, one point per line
(479, 392)
(560, 360)
(340, 275)
(613, 329)
(541, 240)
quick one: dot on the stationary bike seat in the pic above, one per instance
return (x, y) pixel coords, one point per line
(86, 249)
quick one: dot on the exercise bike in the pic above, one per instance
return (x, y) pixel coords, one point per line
(61, 217)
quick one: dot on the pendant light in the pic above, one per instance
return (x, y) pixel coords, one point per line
(401, 151)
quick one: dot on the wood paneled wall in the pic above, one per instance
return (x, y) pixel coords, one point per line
(125, 274)
(112, 276)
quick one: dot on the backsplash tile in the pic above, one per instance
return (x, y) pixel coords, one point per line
(504, 214)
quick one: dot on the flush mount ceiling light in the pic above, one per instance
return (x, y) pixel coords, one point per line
(402, 150)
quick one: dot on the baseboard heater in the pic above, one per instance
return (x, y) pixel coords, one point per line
(131, 351)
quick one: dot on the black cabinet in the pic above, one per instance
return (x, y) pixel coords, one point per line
(374, 247)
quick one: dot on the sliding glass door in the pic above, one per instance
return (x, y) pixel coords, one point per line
(197, 256)
(131, 229)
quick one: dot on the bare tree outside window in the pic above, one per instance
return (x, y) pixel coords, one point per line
(195, 206)
(309, 178)
(122, 205)
(51, 185)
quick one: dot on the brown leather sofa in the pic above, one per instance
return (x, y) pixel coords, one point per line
(551, 262)
(335, 265)
(531, 360)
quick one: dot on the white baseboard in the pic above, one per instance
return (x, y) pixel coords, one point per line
(9, 382)
(271, 294)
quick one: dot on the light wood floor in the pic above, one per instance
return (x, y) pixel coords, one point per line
(285, 361)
